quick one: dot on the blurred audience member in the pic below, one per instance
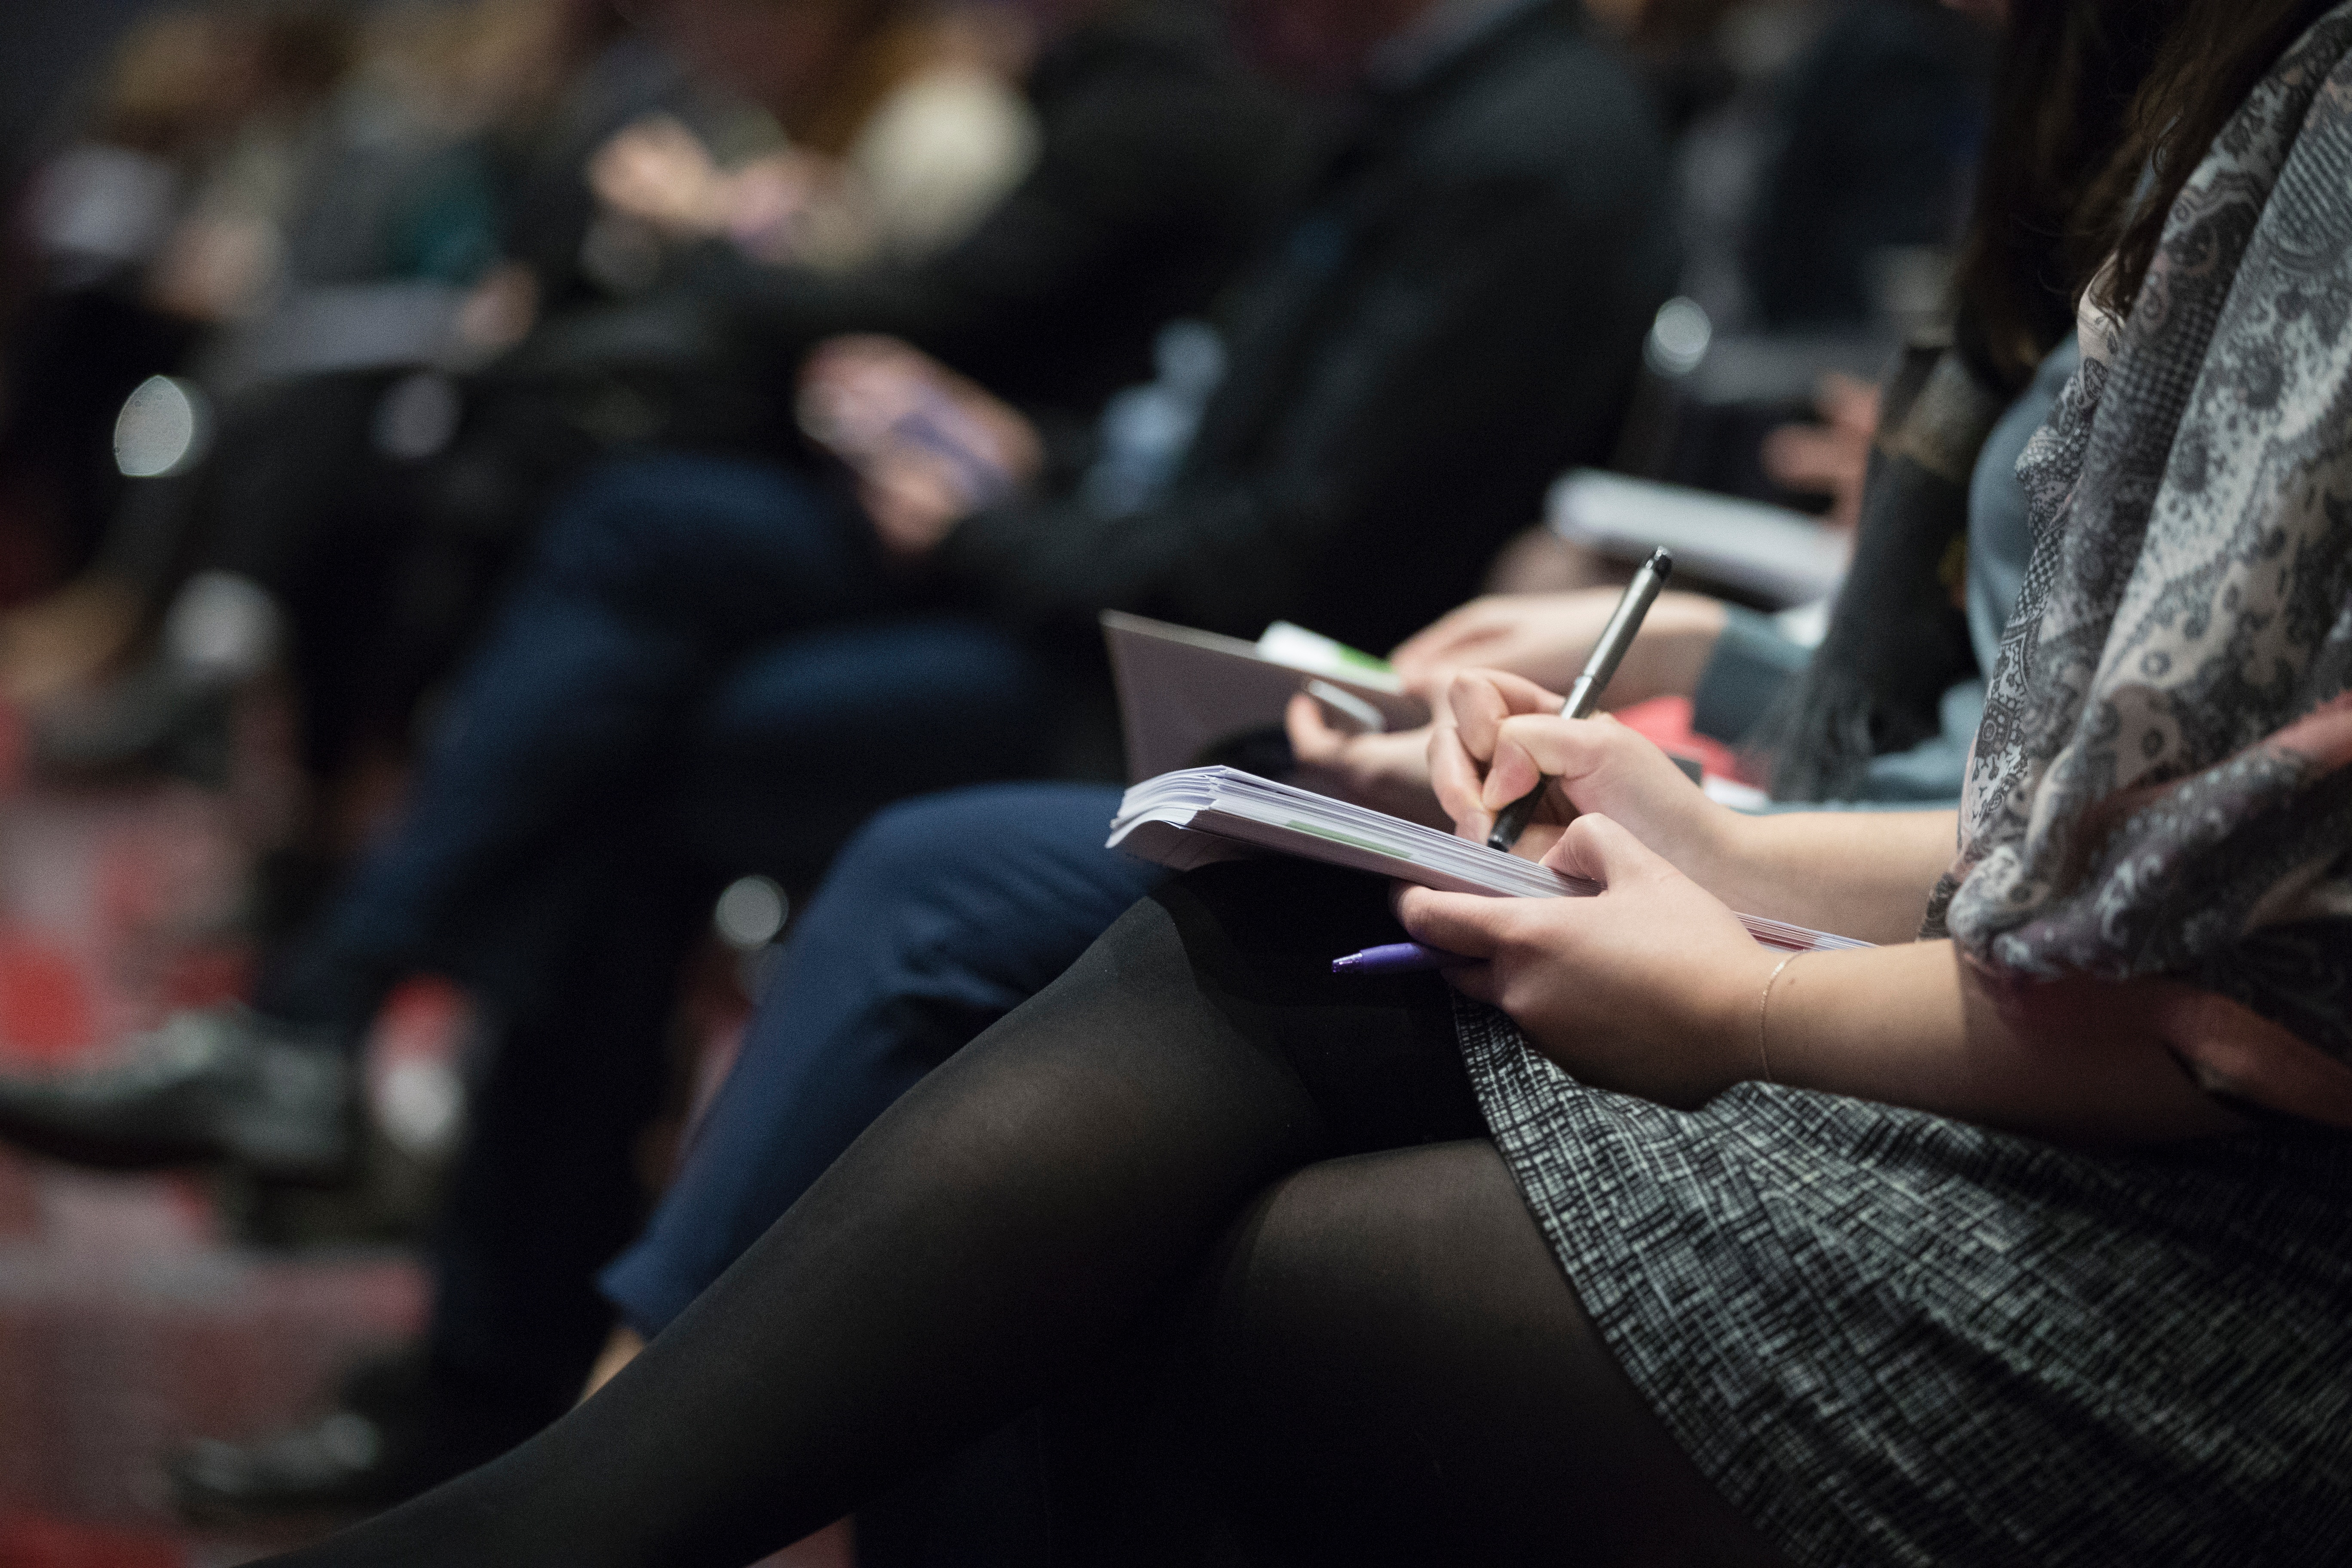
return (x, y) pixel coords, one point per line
(159, 219)
(940, 136)
(1451, 312)
(1825, 188)
(1153, 152)
(377, 250)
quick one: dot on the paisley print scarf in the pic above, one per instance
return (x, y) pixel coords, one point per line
(2163, 782)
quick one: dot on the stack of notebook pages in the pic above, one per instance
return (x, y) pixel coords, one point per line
(1200, 815)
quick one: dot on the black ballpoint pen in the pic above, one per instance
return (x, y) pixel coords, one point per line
(1607, 654)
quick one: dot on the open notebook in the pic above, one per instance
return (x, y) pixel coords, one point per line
(1182, 692)
(1200, 815)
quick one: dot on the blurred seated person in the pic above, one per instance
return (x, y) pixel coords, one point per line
(1151, 176)
(2017, 1236)
(943, 914)
(1450, 312)
(389, 240)
(153, 225)
(947, 138)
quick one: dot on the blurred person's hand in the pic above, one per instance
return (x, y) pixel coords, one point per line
(498, 311)
(659, 172)
(656, 170)
(216, 269)
(1539, 561)
(769, 201)
(929, 446)
(65, 639)
(1830, 458)
(1387, 771)
(1547, 638)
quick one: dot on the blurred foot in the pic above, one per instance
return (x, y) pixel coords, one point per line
(159, 718)
(221, 1086)
(400, 1430)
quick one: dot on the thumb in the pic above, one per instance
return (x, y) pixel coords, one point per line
(1599, 850)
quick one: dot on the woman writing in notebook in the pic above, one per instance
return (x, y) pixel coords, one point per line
(2021, 1242)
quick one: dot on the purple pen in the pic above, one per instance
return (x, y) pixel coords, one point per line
(1396, 958)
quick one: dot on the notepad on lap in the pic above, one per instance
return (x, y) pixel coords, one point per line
(1198, 816)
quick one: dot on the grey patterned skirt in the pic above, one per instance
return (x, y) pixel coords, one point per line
(1891, 1337)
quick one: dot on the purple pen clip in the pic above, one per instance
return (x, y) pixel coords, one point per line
(1395, 958)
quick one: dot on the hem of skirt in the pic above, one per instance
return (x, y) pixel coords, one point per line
(1531, 1107)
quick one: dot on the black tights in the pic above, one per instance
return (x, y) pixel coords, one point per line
(1196, 1181)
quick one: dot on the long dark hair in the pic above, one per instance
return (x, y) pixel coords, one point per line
(2102, 110)
(2214, 54)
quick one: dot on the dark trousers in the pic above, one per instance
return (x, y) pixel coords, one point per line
(940, 917)
(702, 673)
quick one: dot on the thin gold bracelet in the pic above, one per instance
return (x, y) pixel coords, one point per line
(1764, 1011)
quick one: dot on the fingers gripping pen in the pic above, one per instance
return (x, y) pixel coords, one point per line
(1585, 695)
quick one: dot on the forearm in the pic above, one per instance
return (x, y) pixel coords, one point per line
(1862, 874)
(1914, 1026)
(1666, 659)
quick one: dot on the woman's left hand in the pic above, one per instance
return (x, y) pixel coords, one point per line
(1650, 988)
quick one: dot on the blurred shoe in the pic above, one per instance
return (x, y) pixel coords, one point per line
(400, 1430)
(225, 1084)
(159, 718)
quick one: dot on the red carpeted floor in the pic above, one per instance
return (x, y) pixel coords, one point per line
(129, 1320)
(131, 1316)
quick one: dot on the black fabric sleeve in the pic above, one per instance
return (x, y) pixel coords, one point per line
(1493, 340)
(1150, 182)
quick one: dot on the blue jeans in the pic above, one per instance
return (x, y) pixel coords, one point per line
(942, 916)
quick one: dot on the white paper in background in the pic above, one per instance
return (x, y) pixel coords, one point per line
(1775, 553)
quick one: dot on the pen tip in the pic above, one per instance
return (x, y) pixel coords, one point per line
(1662, 562)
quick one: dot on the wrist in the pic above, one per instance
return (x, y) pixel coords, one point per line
(1716, 851)
(1677, 640)
(1739, 1017)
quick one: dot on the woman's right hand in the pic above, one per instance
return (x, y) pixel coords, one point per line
(658, 171)
(1503, 735)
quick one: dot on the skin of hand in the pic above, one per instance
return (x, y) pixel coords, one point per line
(928, 446)
(1833, 457)
(656, 170)
(1388, 772)
(1643, 989)
(1863, 875)
(62, 640)
(623, 1345)
(498, 311)
(1654, 987)
(1547, 638)
(1505, 734)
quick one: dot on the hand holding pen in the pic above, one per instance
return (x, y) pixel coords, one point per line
(1511, 822)
(1608, 653)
